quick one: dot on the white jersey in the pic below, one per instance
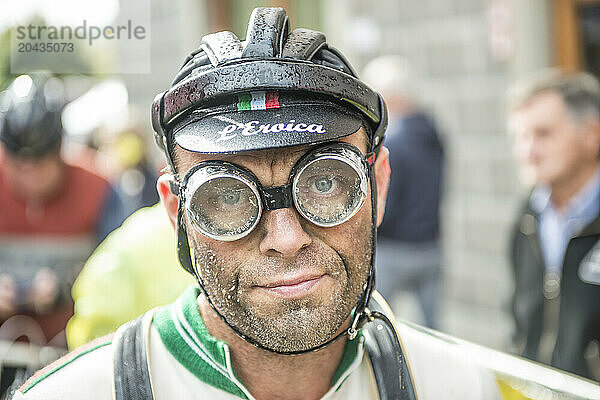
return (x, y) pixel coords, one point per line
(185, 362)
(90, 377)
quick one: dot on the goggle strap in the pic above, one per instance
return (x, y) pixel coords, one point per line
(278, 197)
(371, 158)
(174, 185)
(183, 246)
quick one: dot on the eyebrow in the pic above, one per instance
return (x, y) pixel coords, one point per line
(257, 155)
(260, 155)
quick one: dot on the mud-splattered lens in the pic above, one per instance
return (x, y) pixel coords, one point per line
(223, 206)
(225, 201)
(329, 190)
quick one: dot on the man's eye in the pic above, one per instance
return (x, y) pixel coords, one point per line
(230, 198)
(324, 185)
(543, 133)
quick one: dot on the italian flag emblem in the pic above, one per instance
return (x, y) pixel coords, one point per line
(258, 101)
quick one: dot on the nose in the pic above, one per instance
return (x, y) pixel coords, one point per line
(525, 147)
(284, 235)
(533, 149)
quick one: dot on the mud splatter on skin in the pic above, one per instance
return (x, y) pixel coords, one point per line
(283, 324)
(232, 270)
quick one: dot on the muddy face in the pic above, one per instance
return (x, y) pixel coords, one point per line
(286, 317)
(289, 284)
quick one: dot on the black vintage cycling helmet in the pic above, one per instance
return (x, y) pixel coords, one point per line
(280, 77)
(275, 89)
(30, 115)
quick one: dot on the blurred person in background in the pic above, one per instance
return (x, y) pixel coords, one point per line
(137, 181)
(555, 120)
(127, 161)
(52, 214)
(137, 260)
(409, 251)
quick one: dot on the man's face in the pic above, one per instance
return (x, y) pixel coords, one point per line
(550, 145)
(289, 284)
(34, 179)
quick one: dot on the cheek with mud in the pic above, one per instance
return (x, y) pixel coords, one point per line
(286, 325)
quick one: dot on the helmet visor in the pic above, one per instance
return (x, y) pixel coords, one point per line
(283, 120)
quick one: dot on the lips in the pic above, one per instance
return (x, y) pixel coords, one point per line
(293, 286)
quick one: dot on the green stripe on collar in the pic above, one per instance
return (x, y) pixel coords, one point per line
(185, 336)
(351, 351)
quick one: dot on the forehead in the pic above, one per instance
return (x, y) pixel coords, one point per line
(287, 155)
(544, 109)
(16, 159)
(544, 104)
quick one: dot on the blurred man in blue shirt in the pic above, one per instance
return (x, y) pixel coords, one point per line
(409, 251)
(555, 119)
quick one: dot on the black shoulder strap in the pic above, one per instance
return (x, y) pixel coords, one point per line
(131, 375)
(389, 364)
(132, 379)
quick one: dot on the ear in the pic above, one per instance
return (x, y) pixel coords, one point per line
(169, 200)
(382, 179)
(592, 142)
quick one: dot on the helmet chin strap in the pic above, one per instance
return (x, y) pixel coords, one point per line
(361, 312)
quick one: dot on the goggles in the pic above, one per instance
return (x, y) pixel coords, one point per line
(327, 186)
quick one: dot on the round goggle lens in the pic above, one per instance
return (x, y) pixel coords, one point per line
(225, 208)
(328, 191)
(327, 186)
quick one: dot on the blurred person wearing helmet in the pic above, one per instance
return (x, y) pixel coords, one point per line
(408, 247)
(137, 181)
(277, 183)
(51, 214)
(130, 163)
(555, 120)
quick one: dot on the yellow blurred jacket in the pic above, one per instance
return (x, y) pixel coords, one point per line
(133, 270)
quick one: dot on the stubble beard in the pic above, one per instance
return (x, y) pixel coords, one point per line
(286, 325)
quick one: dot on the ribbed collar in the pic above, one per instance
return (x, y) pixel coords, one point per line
(185, 336)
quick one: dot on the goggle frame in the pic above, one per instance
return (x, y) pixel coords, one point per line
(276, 197)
